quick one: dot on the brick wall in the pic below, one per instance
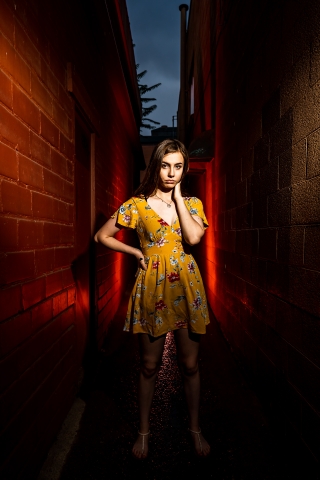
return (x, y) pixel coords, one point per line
(260, 257)
(41, 354)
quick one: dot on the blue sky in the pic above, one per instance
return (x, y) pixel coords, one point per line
(155, 29)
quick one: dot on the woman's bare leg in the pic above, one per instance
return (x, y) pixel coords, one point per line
(187, 351)
(151, 350)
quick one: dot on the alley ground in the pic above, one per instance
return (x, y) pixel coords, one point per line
(243, 444)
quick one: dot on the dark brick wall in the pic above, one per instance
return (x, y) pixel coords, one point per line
(260, 257)
(42, 341)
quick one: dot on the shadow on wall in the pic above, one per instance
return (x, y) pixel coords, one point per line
(84, 273)
(85, 315)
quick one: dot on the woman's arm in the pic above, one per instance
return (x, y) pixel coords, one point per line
(191, 225)
(106, 236)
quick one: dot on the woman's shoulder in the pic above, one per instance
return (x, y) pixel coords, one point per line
(133, 200)
(131, 204)
(136, 200)
(192, 200)
(194, 206)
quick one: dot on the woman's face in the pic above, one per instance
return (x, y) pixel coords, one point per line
(171, 170)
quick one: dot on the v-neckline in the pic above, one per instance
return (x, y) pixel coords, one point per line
(159, 215)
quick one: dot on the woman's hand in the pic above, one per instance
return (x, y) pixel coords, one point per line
(191, 225)
(177, 192)
(140, 257)
(106, 236)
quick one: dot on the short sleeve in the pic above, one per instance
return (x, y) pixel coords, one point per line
(127, 214)
(195, 207)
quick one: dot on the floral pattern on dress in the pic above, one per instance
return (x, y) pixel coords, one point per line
(170, 294)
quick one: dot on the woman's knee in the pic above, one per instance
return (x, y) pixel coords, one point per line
(189, 368)
(149, 368)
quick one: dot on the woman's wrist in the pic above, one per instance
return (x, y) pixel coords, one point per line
(179, 199)
(177, 192)
(137, 253)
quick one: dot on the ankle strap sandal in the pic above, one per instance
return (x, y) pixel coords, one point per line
(143, 435)
(198, 434)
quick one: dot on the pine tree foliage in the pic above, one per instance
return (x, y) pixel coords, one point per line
(146, 111)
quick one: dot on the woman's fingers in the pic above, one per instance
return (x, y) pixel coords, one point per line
(143, 265)
(141, 261)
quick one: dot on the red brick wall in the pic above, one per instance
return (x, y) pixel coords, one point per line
(40, 354)
(260, 256)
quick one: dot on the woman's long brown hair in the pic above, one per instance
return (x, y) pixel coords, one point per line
(150, 182)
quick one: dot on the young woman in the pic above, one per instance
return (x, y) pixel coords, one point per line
(168, 294)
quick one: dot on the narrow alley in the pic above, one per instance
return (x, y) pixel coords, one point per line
(72, 151)
(244, 445)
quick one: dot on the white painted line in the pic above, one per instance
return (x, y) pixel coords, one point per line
(53, 465)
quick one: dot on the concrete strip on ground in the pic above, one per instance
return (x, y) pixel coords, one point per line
(57, 455)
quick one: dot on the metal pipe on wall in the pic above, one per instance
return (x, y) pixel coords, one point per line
(183, 84)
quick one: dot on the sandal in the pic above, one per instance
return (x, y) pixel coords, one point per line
(199, 439)
(143, 435)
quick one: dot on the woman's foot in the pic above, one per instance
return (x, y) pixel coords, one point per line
(201, 446)
(140, 448)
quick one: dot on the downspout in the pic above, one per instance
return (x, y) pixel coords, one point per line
(183, 84)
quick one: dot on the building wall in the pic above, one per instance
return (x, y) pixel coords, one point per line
(260, 256)
(66, 120)
(147, 152)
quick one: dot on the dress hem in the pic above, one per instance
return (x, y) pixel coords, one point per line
(171, 330)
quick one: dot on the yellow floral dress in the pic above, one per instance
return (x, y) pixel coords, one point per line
(170, 293)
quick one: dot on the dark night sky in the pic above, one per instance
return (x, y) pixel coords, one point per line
(155, 29)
